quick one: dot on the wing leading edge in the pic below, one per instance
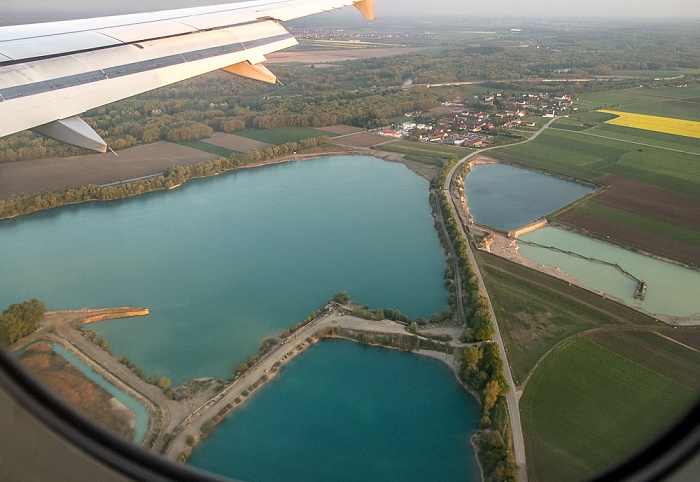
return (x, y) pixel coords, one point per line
(52, 72)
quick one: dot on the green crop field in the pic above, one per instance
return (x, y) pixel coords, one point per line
(534, 320)
(423, 152)
(589, 406)
(282, 135)
(210, 148)
(536, 311)
(662, 101)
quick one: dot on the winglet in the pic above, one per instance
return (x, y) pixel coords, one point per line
(251, 71)
(73, 131)
(366, 7)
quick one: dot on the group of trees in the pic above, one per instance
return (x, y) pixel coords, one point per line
(20, 320)
(482, 369)
(481, 366)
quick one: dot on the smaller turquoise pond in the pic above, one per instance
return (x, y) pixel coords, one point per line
(342, 411)
(508, 197)
(672, 289)
(141, 413)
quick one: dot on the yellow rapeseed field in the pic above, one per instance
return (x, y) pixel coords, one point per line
(667, 125)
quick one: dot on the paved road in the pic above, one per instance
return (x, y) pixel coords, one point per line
(511, 396)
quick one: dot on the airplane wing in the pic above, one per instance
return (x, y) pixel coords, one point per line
(52, 72)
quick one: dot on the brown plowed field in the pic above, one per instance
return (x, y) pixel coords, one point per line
(631, 236)
(342, 129)
(362, 139)
(651, 201)
(52, 174)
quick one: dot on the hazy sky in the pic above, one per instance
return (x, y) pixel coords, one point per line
(385, 8)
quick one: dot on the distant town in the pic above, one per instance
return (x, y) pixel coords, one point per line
(474, 122)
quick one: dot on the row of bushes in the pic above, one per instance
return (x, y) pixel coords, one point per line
(402, 341)
(161, 381)
(173, 176)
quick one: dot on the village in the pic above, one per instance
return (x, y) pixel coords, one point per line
(474, 123)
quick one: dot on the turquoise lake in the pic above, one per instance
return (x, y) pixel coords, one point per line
(225, 262)
(508, 197)
(345, 412)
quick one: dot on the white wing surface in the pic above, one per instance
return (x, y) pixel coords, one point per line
(52, 72)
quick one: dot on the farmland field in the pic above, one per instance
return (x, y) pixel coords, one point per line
(595, 401)
(652, 198)
(537, 311)
(423, 152)
(282, 135)
(667, 125)
(210, 148)
(659, 101)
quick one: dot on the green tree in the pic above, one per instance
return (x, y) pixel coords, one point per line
(20, 320)
(164, 382)
(379, 314)
(341, 297)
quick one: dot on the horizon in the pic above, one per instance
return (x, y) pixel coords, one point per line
(671, 10)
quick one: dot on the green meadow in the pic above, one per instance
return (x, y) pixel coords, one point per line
(282, 135)
(210, 148)
(433, 154)
(590, 406)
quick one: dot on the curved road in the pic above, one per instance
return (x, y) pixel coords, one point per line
(511, 396)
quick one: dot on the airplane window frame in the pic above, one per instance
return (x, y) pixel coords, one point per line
(668, 453)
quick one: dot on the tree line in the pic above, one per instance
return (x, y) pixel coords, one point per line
(474, 303)
(173, 176)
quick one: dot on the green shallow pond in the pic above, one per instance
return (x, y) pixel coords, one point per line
(345, 412)
(672, 289)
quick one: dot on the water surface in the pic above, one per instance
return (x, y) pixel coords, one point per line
(508, 197)
(672, 289)
(223, 263)
(141, 426)
(342, 412)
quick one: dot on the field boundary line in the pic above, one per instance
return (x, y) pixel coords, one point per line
(675, 382)
(677, 342)
(637, 143)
